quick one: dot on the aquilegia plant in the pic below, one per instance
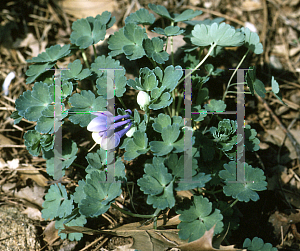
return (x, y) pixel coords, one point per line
(157, 131)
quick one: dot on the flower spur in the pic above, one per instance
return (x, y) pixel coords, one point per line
(108, 130)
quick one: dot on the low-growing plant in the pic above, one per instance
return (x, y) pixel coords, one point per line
(160, 130)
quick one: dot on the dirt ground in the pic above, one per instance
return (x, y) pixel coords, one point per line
(28, 27)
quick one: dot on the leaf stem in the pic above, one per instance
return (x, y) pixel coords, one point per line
(202, 61)
(171, 45)
(85, 58)
(122, 103)
(95, 52)
(228, 85)
(135, 215)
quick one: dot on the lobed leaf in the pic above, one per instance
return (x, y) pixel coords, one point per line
(169, 31)
(90, 30)
(257, 244)
(254, 181)
(154, 49)
(128, 40)
(56, 203)
(52, 54)
(218, 34)
(136, 145)
(83, 105)
(99, 194)
(252, 41)
(75, 71)
(69, 152)
(196, 218)
(141, 16)
(157, 183)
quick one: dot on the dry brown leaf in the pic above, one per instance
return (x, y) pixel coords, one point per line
(50, 233)
(33, 213)
(205, 243)
(6, 141)
(250, 5)
(146, 240)
(30, 172)
(33, 195)
(277, 136)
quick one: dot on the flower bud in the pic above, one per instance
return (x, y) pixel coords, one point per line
(131, 132)
(143, 99)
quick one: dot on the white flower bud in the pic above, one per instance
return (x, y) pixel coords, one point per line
(143, 99)
(131, 132)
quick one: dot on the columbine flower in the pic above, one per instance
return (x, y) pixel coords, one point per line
(143, 99)
(107, 131)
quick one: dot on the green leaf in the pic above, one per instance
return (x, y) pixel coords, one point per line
(69, 152)
(136, 145)
(36, 105)
(219, 34)
(169, 31)
(252, 41)
(163, 101)
(128, 40)
(171, 77)
(47, 142)
(36, 70)
(147, 80)
(154, 49)
(32, 142)
(17, 118)
(160, 122)
(276, 90)
(80, 220)
(257, 244)
(101, 63)
(31, 103)
(99, 194)
(90, 30)
(97, 160)
(215, 106)
(160, 10)
(56, 203)
(254, 181)
(141, 16)
(177, 168)
(169, 135)
(52, 54)
(275, 85)
(187, 15)
(79, 192)
(158, 184)
(45, 123)
(255, 84)
(251, 142)
(198, 114)
(75, 71)
(83, 105)
(196, 218)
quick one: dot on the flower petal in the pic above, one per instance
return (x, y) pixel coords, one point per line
(110, 142)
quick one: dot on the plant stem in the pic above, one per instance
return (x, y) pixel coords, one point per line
(202, 61)
(171, 45)
(95, 52)
(173, 103)
(180, 98)
(80, 166)
(135, 215)
(122, 103)
(85, 58)
(228, 85)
